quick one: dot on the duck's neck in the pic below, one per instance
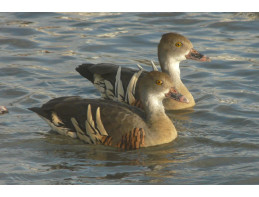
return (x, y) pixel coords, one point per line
(171, 67)
(161, 127)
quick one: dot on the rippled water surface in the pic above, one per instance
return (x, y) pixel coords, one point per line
(218, 141)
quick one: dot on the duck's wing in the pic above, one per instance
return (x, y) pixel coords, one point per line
(113, 82)
(95, 121)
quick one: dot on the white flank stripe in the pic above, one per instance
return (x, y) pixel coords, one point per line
(55, 119)
(119, 91)
(99, 123)
(98, 83)
(81, 135)
(154, 66)
(71, 134)
(90, 131)
(109, 89)
(131, 98)
(89, 116)
(136, 80)
(130, 94)
(117, 79)
(89, 124)
(140, 67)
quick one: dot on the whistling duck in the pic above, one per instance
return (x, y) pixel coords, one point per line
(112, 123)
(120, 84)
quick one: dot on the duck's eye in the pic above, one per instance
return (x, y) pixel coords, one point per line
(159, 82)
(178, 44)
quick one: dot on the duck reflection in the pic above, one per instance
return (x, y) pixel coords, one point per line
(147, 165)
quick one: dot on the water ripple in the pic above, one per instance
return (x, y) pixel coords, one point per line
(218, 138)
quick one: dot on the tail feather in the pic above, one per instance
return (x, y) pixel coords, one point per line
(39, 111)
(85, 71)
(89, 70)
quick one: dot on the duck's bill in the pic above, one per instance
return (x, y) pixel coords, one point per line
(175, 95)
(195, 55)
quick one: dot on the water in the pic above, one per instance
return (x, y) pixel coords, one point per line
(218, 140)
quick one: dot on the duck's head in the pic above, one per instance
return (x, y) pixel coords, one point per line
(178, 48)
(158, 86)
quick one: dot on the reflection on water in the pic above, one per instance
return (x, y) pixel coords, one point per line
(109, 164)
(218, 138)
